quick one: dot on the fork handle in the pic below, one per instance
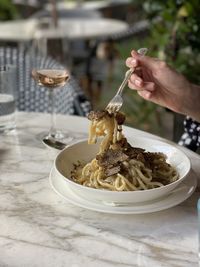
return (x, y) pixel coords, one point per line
(123, 84)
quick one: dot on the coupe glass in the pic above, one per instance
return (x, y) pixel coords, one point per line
(50, 65)
(52, 79)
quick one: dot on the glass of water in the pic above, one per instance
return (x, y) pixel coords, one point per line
(8, 80)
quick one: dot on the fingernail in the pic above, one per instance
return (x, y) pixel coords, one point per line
(133, 61)
(133, 52)
(138, 82)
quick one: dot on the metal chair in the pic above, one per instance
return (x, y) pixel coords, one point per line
(70, 99)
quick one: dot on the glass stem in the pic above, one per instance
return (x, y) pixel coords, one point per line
(52, 131)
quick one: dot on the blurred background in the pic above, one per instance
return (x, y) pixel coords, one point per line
(170, 29)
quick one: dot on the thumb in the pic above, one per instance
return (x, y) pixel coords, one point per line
(149, 62)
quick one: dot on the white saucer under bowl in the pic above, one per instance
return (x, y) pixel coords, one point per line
(176, 196)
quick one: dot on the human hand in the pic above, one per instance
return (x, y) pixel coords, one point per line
(158, 82)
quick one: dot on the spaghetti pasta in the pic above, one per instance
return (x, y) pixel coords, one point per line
(118, 166)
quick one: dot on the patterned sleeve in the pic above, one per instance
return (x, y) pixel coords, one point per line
(191, 135)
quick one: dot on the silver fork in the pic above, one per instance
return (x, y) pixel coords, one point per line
(117, 101)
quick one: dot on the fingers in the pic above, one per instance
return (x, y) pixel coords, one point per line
(138, 61)
(131, 62)
(148, 62)
(146, 86)
(136, 82)
(145, 94)
(144, 89)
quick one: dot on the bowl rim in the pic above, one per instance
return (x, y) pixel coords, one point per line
(67, 179)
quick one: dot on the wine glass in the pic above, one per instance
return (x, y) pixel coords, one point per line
(50, 65)
(52, 79)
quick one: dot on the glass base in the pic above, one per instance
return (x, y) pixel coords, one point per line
(58, 135)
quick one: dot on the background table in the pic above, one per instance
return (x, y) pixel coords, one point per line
(39, 228)
(28, 29)
(93, 5)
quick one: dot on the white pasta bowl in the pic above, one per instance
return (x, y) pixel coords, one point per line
(82, 151)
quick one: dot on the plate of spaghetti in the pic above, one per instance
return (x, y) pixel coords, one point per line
(108, 167)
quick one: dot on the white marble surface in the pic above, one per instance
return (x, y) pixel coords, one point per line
(39, 228)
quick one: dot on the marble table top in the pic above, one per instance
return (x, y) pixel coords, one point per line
(39, 228)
